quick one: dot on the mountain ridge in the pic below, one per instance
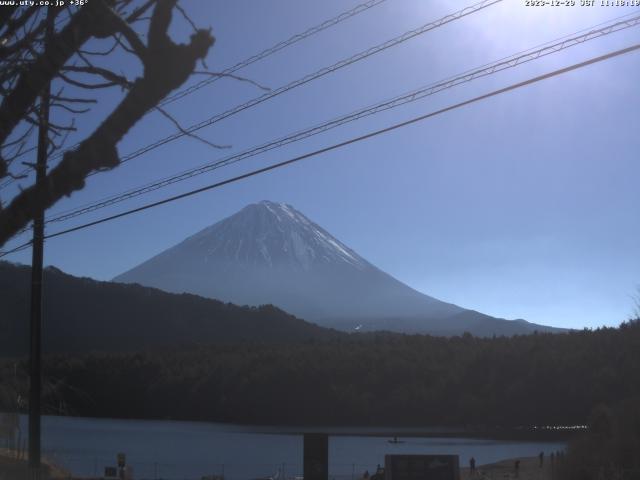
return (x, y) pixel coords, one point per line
(81, 315)
(269, 252)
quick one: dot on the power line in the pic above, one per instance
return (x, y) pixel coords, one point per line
(275, 48)
(313, 76)
(341, 17)
(308, 78)
(19, 248)
(468, 76)
(336, 146)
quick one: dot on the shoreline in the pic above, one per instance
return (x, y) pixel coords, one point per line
(496, 433)
(529, 468)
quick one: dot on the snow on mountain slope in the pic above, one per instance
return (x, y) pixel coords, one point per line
(271, 253)
(271, 235)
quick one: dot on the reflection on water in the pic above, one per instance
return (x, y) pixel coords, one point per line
(166, 449)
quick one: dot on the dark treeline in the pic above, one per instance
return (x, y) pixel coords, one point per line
(610, 449)
(373, 379)
(84, 315)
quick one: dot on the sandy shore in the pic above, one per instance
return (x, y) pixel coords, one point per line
(505, 470)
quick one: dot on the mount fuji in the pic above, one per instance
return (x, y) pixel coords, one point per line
(270, 253)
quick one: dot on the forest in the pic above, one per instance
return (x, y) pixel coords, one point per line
(85, 315)
(359, 379)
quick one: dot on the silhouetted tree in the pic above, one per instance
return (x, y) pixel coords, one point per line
(366, 379)
(28, 62)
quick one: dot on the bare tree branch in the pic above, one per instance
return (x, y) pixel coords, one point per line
(123, 46)
(234, 77)
(186, 17)
(87, 22)
(88, 86)
(19, 139)
(105, 53)
(73, 100)
(111, 77)
(69, 109)
(190, 134)
(15, 24)
(6, 14)
(27, 39)
(136, 14)
(166, 67)
(137, 45)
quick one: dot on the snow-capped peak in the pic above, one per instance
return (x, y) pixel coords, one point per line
(269, 252)
(274, 234)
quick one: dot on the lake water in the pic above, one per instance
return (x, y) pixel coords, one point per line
(189, 450)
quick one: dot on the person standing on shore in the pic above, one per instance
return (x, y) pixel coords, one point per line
(516, 468)
(541, 458)
(472, 467)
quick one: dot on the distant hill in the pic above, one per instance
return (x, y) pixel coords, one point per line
(83, 315)
(271, 253)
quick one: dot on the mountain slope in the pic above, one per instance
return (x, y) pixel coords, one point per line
(270, 253)
(81, 315)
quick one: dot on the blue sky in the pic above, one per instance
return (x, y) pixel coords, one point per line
(521, 206)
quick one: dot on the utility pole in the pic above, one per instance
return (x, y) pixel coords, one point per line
(35, 344)
(315, 456)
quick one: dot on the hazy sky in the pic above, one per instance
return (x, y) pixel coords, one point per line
(521, 206)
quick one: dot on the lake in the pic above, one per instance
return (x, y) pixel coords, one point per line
(189, 450)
